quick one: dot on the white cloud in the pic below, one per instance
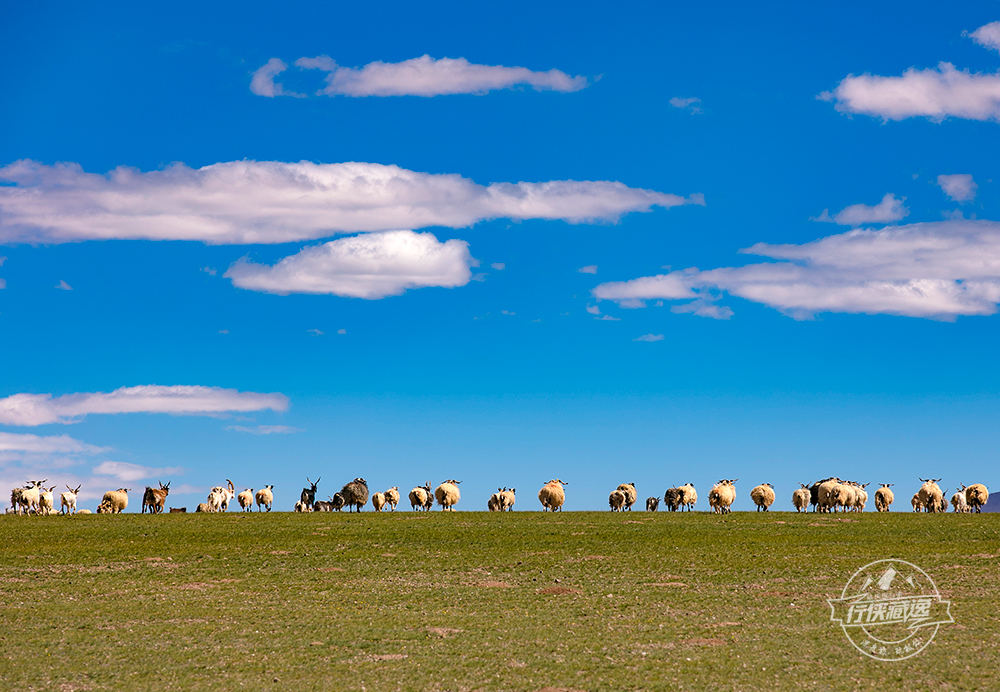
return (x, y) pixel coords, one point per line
(507, 312)
(62, 285)
(594, 309)
(126, 472)
(265, 429)
(987, 35)
(425, 76)
(51, 444)
(931, 93)
(2, 260)
(211, 271)
(935, 270)
(43, 409)
(888, 210)
(649, 337)
(262, 83)
(589, 269)
(691, 103)
(3, 283)
(315, 332)
(341, 331)
(242, 202)
(959, 187)
(371, 266)
(499, 266)
(223, 331)
(608, 318)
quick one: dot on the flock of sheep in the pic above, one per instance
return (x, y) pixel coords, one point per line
(828, 495)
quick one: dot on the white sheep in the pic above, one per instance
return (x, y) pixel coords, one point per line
(860, 497)
(722, 496)
(392, 497)
(616, 500)
(494, 504)
(421, 497)
(884, 497)
(246, 500)
(930, 494)
(507, 499)
(552, 495)
(915, 502)
(84, 511)
(202, 507)
(117, 500)
(976, 496)
(67, 500)
(265, 497)
(378, 501)
(689, 496)
(763, 496)
(447, 495)
(828, 495)
(630, 495)
(800, 498)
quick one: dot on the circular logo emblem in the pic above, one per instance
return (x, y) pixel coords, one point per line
(890, 610)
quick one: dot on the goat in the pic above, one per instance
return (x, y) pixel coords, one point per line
(308, 495)
(155, 498)
(68, 500)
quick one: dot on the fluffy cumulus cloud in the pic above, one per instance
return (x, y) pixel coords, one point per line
(43, 409)
(50, 444)
(241, 202)
(649, 337)
(423, 76)
(935, 270)
(372, 266)
(959, 187)
(888, 210)
(126, 472)
(988, 36)
(691, 103)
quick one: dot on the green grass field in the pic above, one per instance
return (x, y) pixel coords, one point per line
(478, 601)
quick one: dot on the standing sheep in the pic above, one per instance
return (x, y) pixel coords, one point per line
(116, 500)
(630, 495)
(495, 504)
(392, 497)
(722, 496)
(552, 495)
(652, 504)
(800, 498)
(616, 500)
(689, 496)
(68, 500)
(884, 497)
(419, 497)
(930, 494)
(976, 496)
(265, 497)
(246, 500)
(507, 499)
(378, 501)
(958, 502)
(447, 495)
(915, 502)
(828, 495)
(763, 496)
(355, 494)
(337, 501)
(672, 499)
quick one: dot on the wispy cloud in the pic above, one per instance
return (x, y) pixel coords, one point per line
(315, 332)
(265, 429)
(341, 331)
(608, 318)
(50, 444)
(937, 270)
(245, 202)
(126, 472)
(691, 103)
(499, 266)
(423, 76)
(211, 271)
(42, 409)
(888, 210)
(649, 337)
(589, 269)
(63, 286)
(371, 266)
(959, 187)
(594, 309)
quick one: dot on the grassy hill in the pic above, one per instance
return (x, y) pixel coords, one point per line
(469, 601)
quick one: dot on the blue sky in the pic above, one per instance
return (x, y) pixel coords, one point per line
(869, 355)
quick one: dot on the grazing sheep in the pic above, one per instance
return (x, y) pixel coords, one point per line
(117, 500)
(447, 495)
(507, 499)
(203, 507)
(689, 496)
(45, 501)
(105, 508)
(155, 498)
(301, 506)
(495, 504)
(420, 496)
(800, 498)
(958, 501)
(67, 500)
(630, 494)
(915, 503)
(246, 500)
(930, 494)
(265, 497)
(552, 495)
(392, 497)
(355, 494)
(616, 500)
(722, 496)
(652, 504)
(178, 510)
(976, 496)
(763, 496)
(884, 497)
(308, 495)
(378, 501)
(672, 499)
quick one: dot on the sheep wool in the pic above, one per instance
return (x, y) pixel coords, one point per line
(392, 497)
(630, 494)
(689, 496)
(976, 496)
(265, 497)
(800, 498)
(763, 496)
(117, 500)
(447, 495)
(507, 499)
(552, 495)
(722, 496)
(616, 500)
(378, 501)
(884, 498)
(355, 494)
(930, 495)
(494, 503)
(246, 499)
(419, 497)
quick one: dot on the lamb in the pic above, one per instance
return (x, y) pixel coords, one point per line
(246, 500)
(722, 496)
(421, 496)
(447, 495)
(976, 496)
(915, 502)
(617, 500)
(45, 501)
(552, 495)
(930, 494)
(392, 497)
(507, 499)
(630, 494)
(494, 504)
(355, 494)
(378, 501)
(117, 500)
(958, 501)
(155, 498)
(763, 496)
(672, 499)
(67, 500)
(652, 504)
(800, 498)
(308, 495)
(689, 496)
(884, 497)
(265, 497)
